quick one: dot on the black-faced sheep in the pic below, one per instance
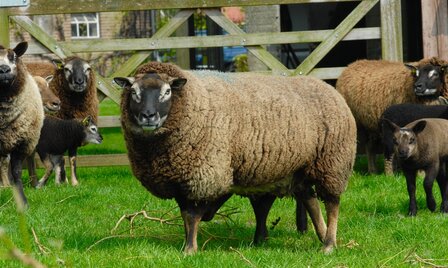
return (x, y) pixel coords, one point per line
(199, 137)
(401, 115)
(423, 145)
(21, 113)
(57, 137)
(371, 86)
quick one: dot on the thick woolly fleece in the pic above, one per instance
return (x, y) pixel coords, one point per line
(22, 119)
(371, 86)
(74, 105)
(243, 133)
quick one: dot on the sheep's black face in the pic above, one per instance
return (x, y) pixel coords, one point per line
(77, 74)
(150, 99)
(9, 60)
(429, 80)
(91, 132)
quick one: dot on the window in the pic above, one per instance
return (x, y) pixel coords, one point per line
(85, 25)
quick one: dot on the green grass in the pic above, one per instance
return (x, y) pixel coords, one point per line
(75, 225)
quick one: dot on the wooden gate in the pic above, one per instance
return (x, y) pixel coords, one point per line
(389, 33)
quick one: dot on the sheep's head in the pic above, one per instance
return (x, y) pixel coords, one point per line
(91, 131)
(150, 98)
(405, 139)
(429, 80)
(50, 101)
(9, 65)
(77, 73)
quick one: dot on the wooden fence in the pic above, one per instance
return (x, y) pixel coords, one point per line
(389, 33)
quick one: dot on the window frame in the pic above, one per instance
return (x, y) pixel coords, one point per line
(75, 21)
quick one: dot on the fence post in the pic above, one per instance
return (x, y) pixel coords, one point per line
(4, 28)
(391, 30)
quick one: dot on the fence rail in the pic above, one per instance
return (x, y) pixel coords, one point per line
(389, 33)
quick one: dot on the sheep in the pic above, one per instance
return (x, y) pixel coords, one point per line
(371, 86)
(403, 114)
(199, 137)
(21, 114)
(74, 83)
(57, 137)
(423, 145)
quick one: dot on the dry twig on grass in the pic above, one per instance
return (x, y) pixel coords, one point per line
(243, 257)
(17, 254)
(43, 249)
(415, 259)
(132, 217)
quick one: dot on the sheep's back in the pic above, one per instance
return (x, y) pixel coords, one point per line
(371, 86)
(434, 137)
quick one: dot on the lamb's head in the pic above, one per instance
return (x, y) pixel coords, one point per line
(50, 101)
(10, 64)
(92, 135)
(405, 139)
(429, 79)
(149, 98)
(77, 73)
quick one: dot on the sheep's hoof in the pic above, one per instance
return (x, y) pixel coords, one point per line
(432, 205)
(75, 183)
(189, 251)
(328, 249)
(444, 208)
(412, 213)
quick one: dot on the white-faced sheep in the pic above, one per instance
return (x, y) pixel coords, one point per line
(199, 137)
(423, 145)
(74, 83)
(21, 113)
(371, 86)
(401, 115)
(57, 137)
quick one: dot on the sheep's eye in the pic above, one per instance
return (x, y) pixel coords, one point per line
(395, 142)
(93, 129)
(411, 140)
(12, 57)
(67, 70)
(167, 92)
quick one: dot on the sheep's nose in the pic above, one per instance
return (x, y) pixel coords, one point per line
(79, 81)
(418, 87)
(5, 69)
(149, 118)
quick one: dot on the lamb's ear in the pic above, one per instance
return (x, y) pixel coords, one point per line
(419, 127)
(389, 124)
(86, 121)
(412, 68)
(58, 63)
(177, 83)
(49, 78)
(21, 48)
(124, 81)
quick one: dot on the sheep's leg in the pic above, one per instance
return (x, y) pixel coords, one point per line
(192, 212)
(48, 169)
(332, 209)
(4, 171)
(59, 168)
(301, 217)
(16, 171)
(31, 166)
(443, 186)
(410, 184)
(428, 182)
(261, 205)
(72, 156)
(371, 156)
(388, 163)
(312, 206)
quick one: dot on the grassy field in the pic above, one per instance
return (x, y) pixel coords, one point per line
(81, 227)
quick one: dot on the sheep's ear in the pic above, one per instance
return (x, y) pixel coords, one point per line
(58, 63)
(20, 48)
(177, 83)
(419, 127)
(49, 78)
(86, 121)
(124, 81)
(389, 124)
(412, 68)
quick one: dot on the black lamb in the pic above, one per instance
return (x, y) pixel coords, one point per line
(57, 137)
(401, 115)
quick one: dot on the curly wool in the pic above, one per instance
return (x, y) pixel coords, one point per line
(242, 133)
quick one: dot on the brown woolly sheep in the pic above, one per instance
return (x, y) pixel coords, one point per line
(423, 145)
(199, 137)
(74, 83)
(21, 113)
(371, 86)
